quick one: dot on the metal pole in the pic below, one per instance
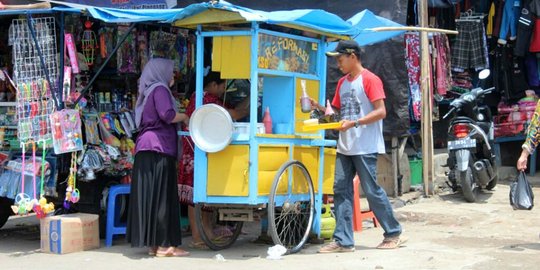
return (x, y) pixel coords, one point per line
(40, 53)
(427, 133)
(122, 40)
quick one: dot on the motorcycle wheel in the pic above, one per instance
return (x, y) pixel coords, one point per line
(491, 185)
(468, 185)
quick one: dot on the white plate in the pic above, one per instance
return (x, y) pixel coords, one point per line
(211, 128)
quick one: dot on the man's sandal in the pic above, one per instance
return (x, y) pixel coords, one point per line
(392, 243)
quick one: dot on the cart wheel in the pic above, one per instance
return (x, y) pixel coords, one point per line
(291, 206)
(219, 243)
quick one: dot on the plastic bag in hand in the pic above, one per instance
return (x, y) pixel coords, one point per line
(521, 194)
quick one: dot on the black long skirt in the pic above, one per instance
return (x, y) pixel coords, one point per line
(154, 209)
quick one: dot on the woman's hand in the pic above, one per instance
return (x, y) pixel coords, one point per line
(522, 161)
(181, 118)
(186, 121)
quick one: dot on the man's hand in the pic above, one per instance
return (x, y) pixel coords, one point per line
(315, 105)
(346, 125)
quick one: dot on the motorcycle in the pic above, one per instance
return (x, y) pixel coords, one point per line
(471, 157)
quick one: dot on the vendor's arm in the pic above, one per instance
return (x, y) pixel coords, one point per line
(336, 101)
(531, 141)
(378, 113)
(166, 112)
(533, 132)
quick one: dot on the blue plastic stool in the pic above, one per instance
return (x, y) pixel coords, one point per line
(113, 218)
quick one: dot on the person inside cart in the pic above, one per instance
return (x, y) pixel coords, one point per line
(214, 91)
(359, 99)
(154, 212)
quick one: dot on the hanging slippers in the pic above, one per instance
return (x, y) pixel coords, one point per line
(392, 242)
(171, 252)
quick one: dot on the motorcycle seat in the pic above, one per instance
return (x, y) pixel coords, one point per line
(462, 119)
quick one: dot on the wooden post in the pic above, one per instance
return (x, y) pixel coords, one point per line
(427, 132)
(395, 164)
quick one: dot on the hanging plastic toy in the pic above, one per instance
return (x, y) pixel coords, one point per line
(43, 208)
(89, 44)
(23, 203)
(66, 131)
(72, 193)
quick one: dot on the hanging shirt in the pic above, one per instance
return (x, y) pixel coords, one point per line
(354, 97)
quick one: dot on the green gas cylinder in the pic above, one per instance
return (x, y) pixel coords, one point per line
(328, 222)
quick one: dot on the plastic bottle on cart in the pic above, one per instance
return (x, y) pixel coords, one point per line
(267, 120)
(305, 102)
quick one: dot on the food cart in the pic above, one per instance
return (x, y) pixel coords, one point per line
(285, 173)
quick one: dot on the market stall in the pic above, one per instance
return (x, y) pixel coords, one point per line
(93, 85)
(286, 169)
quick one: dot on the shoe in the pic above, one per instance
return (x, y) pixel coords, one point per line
(335, 247)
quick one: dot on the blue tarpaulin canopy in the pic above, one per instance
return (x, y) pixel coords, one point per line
(360, 26)
(314, 20)
(365, 22)
(303, 19)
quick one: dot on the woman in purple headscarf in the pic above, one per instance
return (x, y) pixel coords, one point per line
(154, 214)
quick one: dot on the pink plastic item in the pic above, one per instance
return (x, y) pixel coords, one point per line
(72, 52)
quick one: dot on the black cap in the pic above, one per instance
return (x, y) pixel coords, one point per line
(345, 47)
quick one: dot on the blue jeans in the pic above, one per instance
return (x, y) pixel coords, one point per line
(366, 168)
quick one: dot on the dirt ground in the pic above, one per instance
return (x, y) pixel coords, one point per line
(444, 233)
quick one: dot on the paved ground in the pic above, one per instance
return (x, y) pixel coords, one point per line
(444, 233)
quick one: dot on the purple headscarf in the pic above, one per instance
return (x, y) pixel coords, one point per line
(157, 72)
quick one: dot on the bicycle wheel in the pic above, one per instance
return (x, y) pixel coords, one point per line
(223, 241)
(291, 206)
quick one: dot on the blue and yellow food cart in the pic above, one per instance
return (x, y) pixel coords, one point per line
(283, 174)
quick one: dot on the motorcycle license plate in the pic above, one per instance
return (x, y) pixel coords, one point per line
(462, 144)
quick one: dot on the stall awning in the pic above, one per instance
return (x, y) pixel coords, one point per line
(314, 20)
(222, 12)
(366, 22)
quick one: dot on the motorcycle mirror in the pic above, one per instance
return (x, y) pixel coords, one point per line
(484, 74)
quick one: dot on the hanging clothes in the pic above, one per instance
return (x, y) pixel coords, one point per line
(509, 77)
(509, 21)
(524, 32)
(443, 75)
(412, 61)
(531, 64)
(470, 47)
(497, 19)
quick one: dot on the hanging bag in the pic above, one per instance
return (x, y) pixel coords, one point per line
(521, 194)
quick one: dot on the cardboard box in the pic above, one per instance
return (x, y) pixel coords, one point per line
(69, 233)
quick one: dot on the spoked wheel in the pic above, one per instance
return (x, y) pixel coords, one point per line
(291, 206)
(220, 234)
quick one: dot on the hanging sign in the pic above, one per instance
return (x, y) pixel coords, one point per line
(287, 54)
